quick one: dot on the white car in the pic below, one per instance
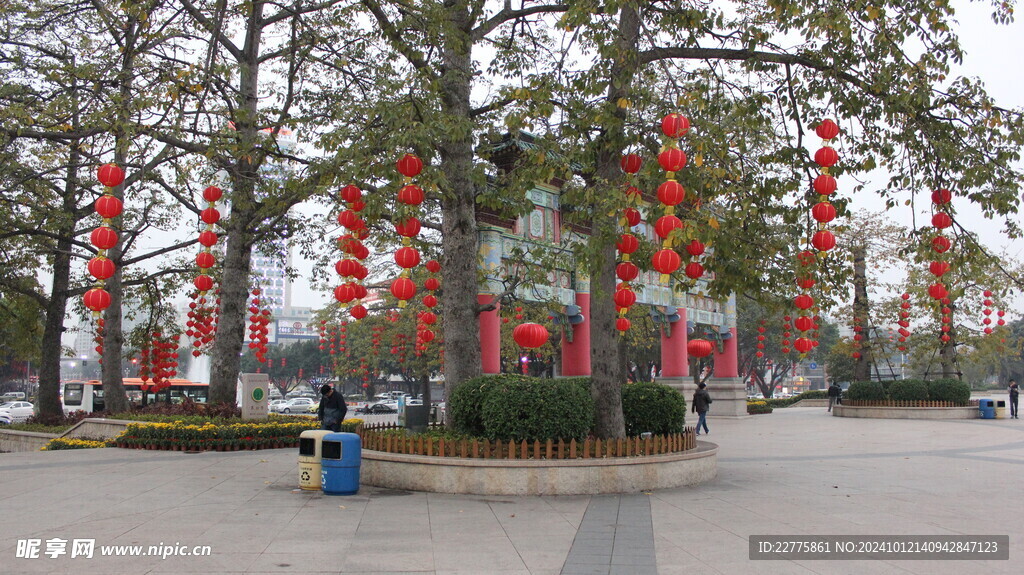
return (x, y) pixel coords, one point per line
(17, 411)
(297, 405)
(275, 405)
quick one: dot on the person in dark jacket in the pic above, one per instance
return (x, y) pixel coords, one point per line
(699, 405)
(1014, 398)
(834, 393)
(332, 409)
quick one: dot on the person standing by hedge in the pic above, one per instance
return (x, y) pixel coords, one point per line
(332, 409)
(700, 404)
(833, 394)
(1014, 393)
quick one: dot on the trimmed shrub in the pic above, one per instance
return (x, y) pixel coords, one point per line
(757, 407)
(653, 407)
(60, 443)
(908, 390)
(865, 391)
(949, 389)
(812, 394)
(535, 409)
(466, 403)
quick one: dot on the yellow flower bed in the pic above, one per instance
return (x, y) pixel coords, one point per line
(754, 407)
(72, 443)
(208, 436)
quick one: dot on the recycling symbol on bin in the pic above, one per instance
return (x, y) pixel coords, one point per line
(305, 476)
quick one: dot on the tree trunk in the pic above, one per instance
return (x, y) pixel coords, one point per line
(606, 348)
(458, 225)
(48, 400)
(861, 311)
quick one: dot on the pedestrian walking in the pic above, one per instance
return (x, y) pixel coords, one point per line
(1014, 392)
(700, 405)
(834, 392)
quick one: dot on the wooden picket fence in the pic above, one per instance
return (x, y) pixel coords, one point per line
(373, 439)
(906, 403)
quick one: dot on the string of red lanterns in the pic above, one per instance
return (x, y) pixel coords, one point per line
(786, 333)
(158, 362)
(760, 338)
(202, 319)
(670, 194)
(904, 322)
(857, 337)
(987, 311)
(102, 268)
(824, 212)
(258, 321)
(626, 270)
(803, 322)
(941, 245)
(408, 226)
(426, 319)
(351, 269)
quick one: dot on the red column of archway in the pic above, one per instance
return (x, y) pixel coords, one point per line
(674, 357)
(576, 355)
(727, 362)
(490, 337)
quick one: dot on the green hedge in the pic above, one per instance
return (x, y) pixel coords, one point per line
(865, 391)
(758, 406)
(949, 390)
(466, 404)
(537, 409)
(788, 401)
(908, 390)
(653, 407)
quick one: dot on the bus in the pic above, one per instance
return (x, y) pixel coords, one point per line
(87, 396)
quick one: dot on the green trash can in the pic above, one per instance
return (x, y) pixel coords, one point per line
(1000, 409)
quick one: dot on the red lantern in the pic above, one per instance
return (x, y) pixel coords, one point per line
(350, 193)
(408, 228)
(632, 216)
(409, 165)
(805, 282)
(109, 207)
(666, 261)
(694, 270)
(824, 212)
(627, 244)
(357, 311)
(941, 197)
(110, 175)
(349, 219)
(699, 348)
(210, 216)
(827, 129)
(346, 267)
(938, 268)
(430, 300)
(433, 266)
(426, 336)
(530, 335)
(101, 268)
(665, 224)
(411, 195)
(631, 163)
(941, 244)
(625, 298)
(803, 323)
(695, 248)
(103, 238)
(212, 193)
(803, 345)
(675, 126)
(407, 257)
(428, 318)
(203, 283)
(431, 284)
(403, 288)
(823, 240)
(803, 301)
(825, 184)
(622, 324)
(942, 220)
(345, 293)
(672, 160)
(826, 157)
(671, 193)
(208, 238)
(97, 299)
(627, 271)
(937, 291)
(205, 260)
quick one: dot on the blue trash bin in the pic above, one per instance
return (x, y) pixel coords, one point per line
(987, 408)
(340, 457)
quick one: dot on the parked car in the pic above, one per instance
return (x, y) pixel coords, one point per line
(379, 408)
(5, 418)
(299, 404)
(275, 405)
(18, 411)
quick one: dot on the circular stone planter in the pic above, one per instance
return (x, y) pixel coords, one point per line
(872, 412)
(539, 477)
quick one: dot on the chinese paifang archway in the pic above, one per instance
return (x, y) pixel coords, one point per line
(678, 313)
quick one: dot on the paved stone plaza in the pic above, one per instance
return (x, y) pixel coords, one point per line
(798, 471)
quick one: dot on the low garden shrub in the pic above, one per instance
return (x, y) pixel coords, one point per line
(949, 389)
(181, 435)
(536, 409)
(759, 406)
(865, 391)
(908, 390)
(653, 407)
(466, 404)
(61, 443)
